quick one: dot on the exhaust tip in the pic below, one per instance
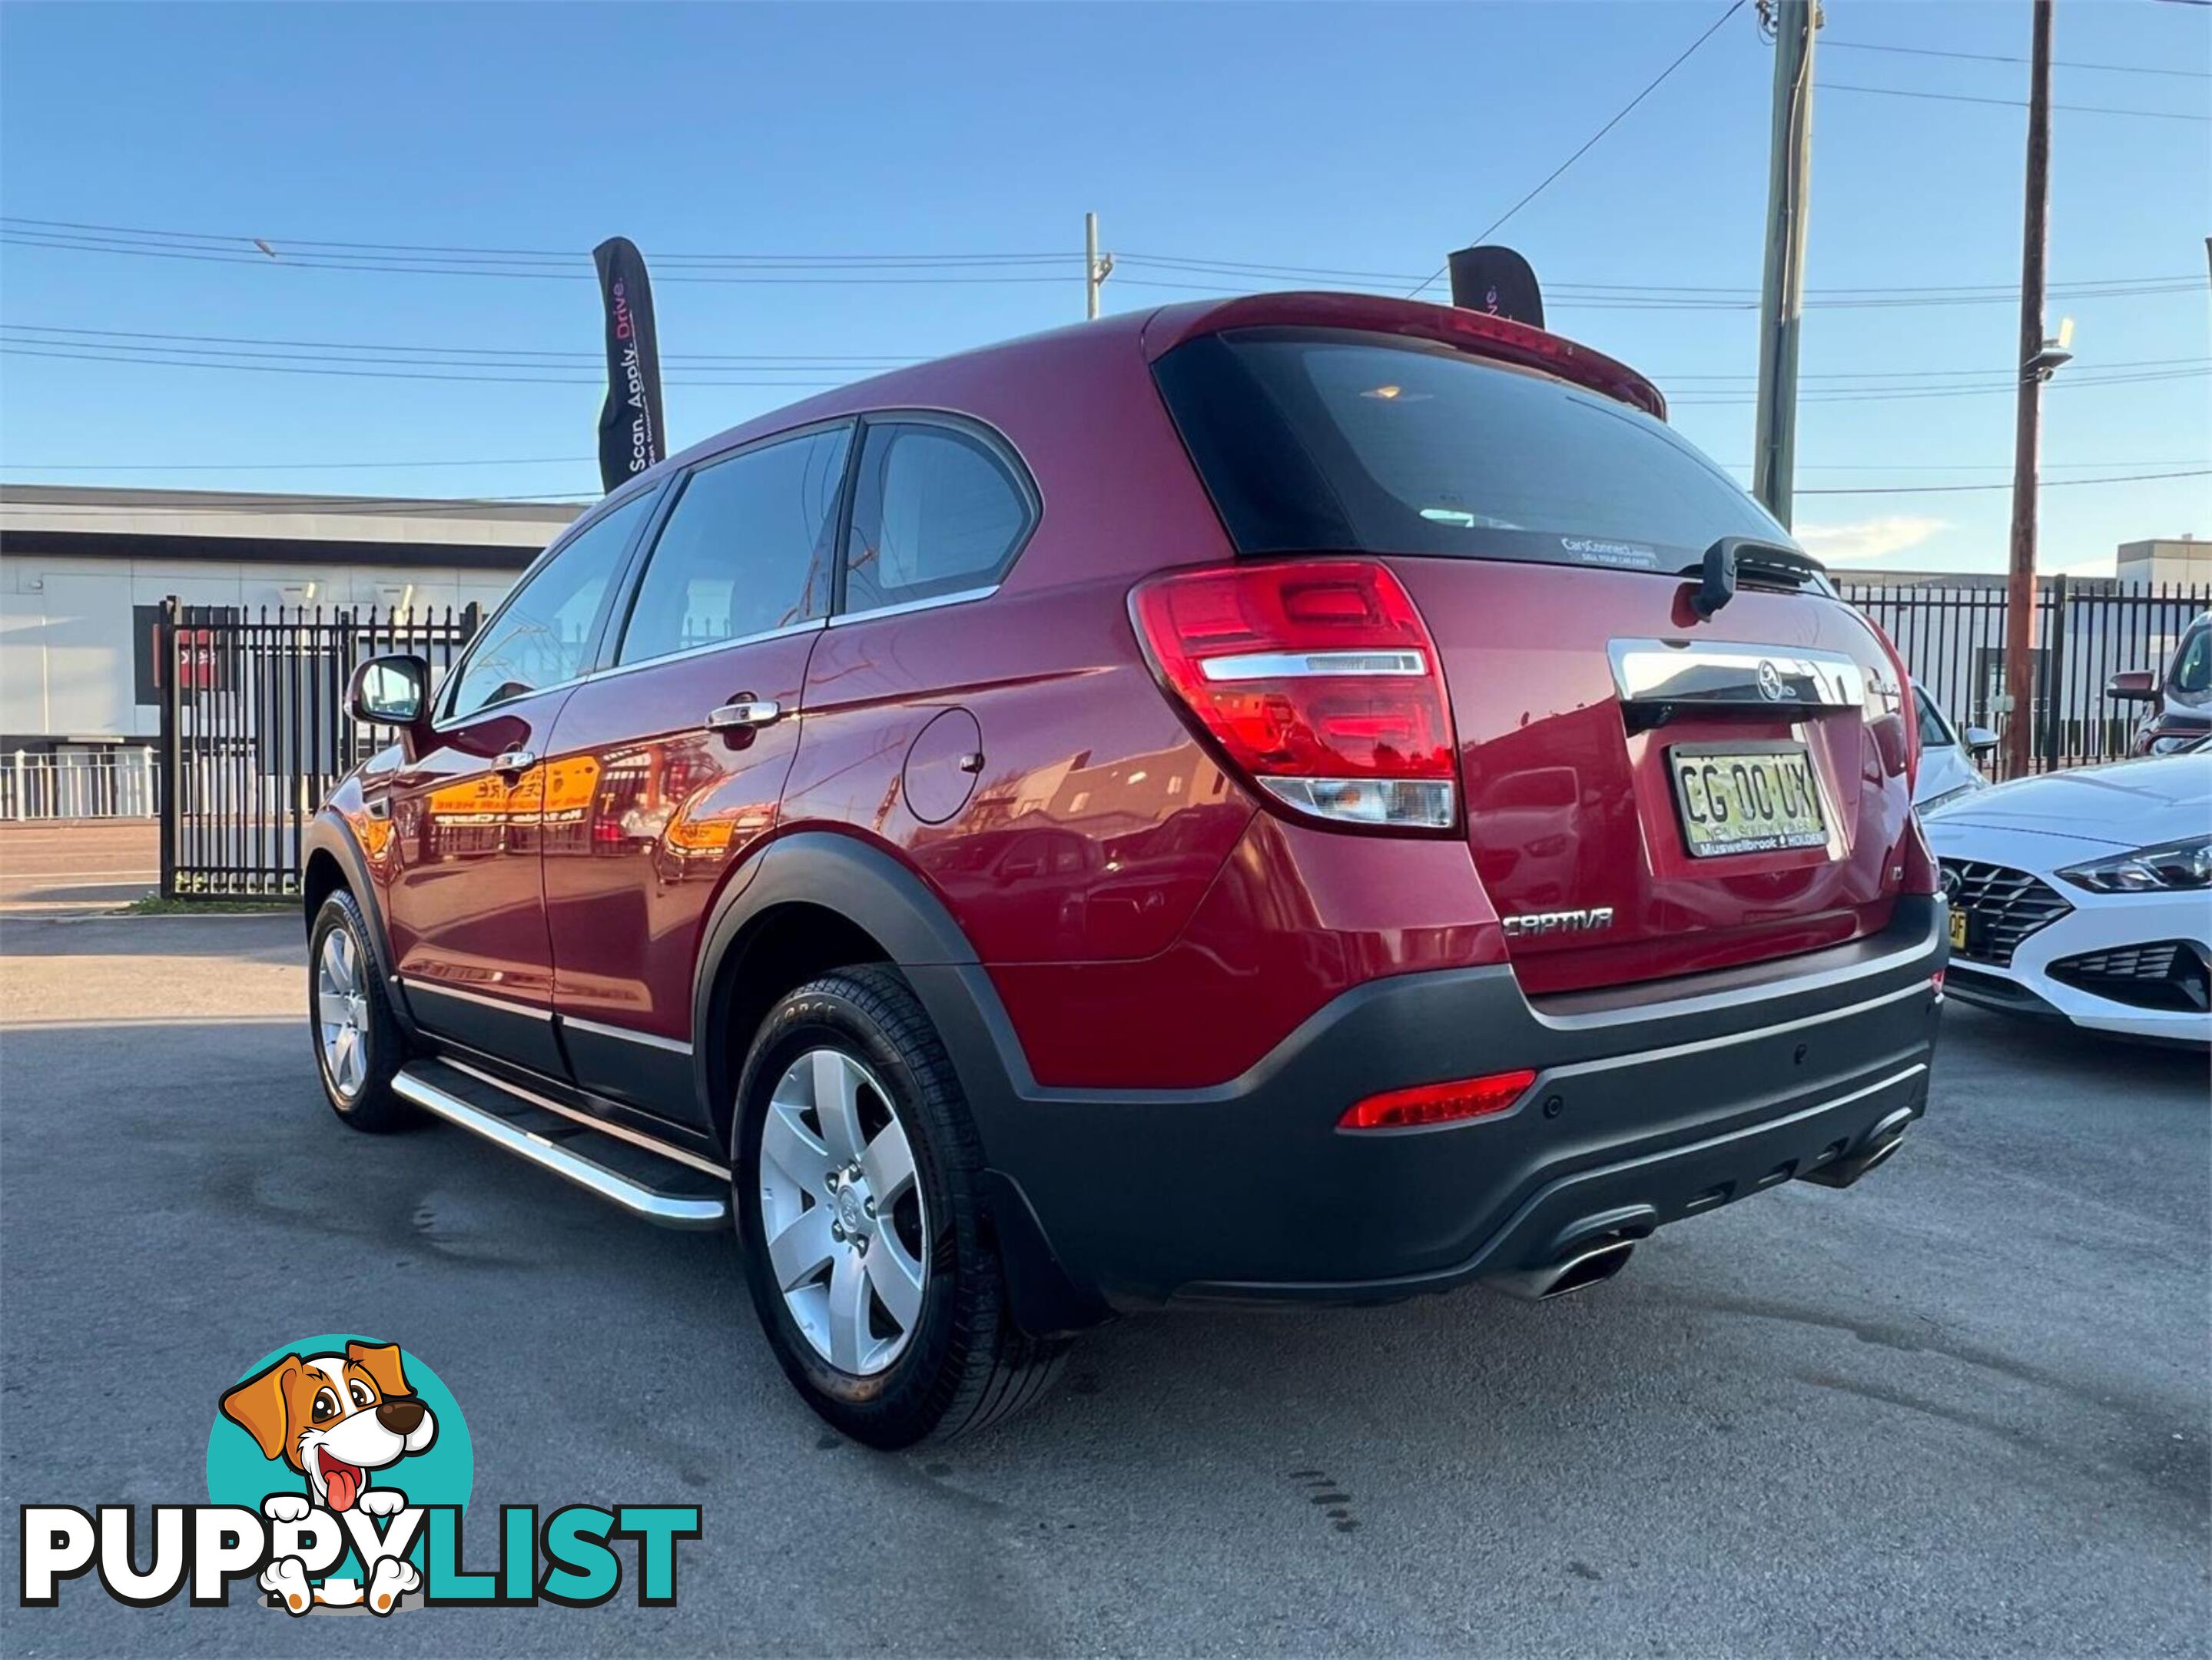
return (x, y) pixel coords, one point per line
(1571, 1273)
(1591, 1266)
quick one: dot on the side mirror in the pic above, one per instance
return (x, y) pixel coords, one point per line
(2132, 686)
(392, 690)
(1978, 740)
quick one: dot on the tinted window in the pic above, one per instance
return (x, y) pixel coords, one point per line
(1934, 731)
(746, 549)
(935, 511)
(538, 639)
(1311, 439)
(2192, 670)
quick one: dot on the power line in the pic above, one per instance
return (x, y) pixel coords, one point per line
(2007, 57)
(1595, 296)
(66, 350)
(583, 273)
(297, 466)
(242, 244)
(1895, 394)
(2013, 103)
(777, 363)
(1712, 29)
(2006, 484)
(464, 357)
(1938, 374)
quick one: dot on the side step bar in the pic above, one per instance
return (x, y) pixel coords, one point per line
(672, 1195)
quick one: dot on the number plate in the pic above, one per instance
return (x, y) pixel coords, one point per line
(1746, 798)
(1958, 929)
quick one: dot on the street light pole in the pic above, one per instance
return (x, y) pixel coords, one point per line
(2028, 432)
(1096, 267)
(1782, 290)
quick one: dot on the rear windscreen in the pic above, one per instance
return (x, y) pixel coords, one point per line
(1325, 440)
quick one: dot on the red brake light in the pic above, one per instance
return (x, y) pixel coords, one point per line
(1437, 1104)
(1316, 677)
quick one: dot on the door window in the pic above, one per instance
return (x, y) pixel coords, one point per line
(2192, 668)
(935, 511)
(539, 636)
(745, 550)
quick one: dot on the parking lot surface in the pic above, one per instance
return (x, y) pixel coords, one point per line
(1962, 1408)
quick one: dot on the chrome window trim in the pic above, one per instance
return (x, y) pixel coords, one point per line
(1689, 672)
(627, 1034)
(965, 596)
(438, 989)
(812, 625)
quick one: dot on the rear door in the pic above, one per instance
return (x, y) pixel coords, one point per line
(666, 767)
(465, 907)
(1647, 791)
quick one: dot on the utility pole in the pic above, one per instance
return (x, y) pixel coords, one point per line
(2034, 369)
(1097, 267)
(1781, 288)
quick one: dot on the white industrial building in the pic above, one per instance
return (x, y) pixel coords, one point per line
(84, 574)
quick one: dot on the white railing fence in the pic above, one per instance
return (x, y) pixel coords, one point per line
(117, 783)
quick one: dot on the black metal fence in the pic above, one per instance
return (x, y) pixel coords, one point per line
(254, 732)
(2087, 630)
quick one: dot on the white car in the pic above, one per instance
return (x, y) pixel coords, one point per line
(2086, 895)
(1946, 755)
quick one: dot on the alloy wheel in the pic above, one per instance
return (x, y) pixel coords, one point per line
(842, 1212)
(342, 1013)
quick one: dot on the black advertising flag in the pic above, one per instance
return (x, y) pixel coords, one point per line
(630, 434)
(1499, 281)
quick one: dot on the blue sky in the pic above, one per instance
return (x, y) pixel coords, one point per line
(1369, 139)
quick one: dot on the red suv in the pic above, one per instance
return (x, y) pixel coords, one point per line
(1307, 797)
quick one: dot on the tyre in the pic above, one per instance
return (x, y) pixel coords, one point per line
(358, 1039)
(857, 1193)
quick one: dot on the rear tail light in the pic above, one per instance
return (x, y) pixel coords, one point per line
(1437, 1104)
(1318, 680)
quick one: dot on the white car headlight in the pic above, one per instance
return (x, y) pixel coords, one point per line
(1934, 803)
(2171, 866)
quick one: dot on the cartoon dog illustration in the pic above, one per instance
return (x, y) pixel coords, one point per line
(335, 1418)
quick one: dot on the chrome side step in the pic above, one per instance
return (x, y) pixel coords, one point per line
(419, 1082)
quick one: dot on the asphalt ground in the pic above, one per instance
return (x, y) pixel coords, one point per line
(70, 869)
(1962, 1408)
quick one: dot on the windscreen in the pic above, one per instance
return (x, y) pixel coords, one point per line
(1323, 440)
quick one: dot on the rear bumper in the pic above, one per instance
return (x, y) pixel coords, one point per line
(1649, 1105)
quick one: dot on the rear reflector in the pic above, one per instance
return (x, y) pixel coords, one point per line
(1318, 680)
(1437, 1104)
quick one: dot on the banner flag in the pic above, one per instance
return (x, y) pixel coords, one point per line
(630, 434)
(1499, 281)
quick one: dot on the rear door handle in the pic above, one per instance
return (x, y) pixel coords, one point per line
(515, 761)
(743, 713)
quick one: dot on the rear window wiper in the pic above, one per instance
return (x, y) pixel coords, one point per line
(1746, 558)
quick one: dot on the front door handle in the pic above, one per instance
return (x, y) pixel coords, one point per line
(515, 761)
(743, 713)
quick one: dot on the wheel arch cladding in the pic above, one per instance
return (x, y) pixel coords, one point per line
(831, 899)
(818, 901)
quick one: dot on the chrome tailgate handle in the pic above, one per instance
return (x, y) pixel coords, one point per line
(744, 713)
(1687, 671)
